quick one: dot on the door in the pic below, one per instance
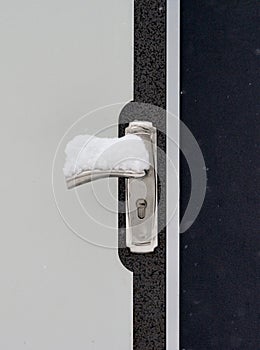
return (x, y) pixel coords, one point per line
(67, 69)
(62, 284)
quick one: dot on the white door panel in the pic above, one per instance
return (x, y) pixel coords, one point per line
(60, 60)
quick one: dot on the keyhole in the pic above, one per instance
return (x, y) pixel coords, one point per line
(141, 205)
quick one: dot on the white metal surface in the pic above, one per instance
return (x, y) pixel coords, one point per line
(60, 60)
(173, 91)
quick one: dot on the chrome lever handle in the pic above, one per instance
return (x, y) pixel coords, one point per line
(92, 175)
(141, 189)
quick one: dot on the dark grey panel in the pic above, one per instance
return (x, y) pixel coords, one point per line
(219, 253)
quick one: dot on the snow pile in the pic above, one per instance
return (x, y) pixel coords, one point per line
(86, 152)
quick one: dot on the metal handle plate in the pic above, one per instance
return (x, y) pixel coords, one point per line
(141, 196)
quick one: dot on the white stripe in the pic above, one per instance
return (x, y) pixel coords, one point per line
(173, 87)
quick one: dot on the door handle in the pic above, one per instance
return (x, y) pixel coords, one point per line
(92, 175)
(133, 157)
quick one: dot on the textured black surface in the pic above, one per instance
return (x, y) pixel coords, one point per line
(150, 88)
(219, 253)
